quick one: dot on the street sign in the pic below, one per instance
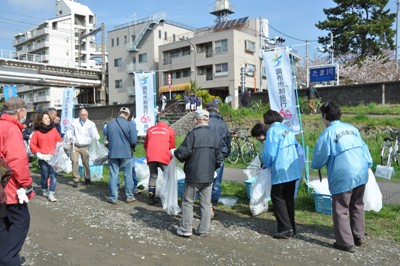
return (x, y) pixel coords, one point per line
(169, 81)
(322, 73)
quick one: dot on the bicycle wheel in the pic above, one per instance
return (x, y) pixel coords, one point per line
(248, 152)
(235, 152)
(386, 159)
(304, 109)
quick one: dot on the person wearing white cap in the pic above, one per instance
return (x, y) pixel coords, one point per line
(201, 153)
(122, 138)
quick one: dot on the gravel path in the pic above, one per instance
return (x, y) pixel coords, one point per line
(81, 228)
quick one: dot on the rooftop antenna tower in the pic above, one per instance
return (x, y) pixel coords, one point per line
(221, 9)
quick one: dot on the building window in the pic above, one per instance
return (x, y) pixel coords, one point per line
(159, 34)
(143, 58)
(118, 62)
(250, 46)
(125, 39)
(165, 35)
(118, 84)
(221, 46)
(117, 41)
(221, 69)
(134, 60)
(112, 42)
(174, 37)
(185, 73)
(178, 74)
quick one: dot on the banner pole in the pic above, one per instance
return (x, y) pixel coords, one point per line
(299, 115)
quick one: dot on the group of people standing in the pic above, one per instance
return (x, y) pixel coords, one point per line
(192, 103)
(339, 147)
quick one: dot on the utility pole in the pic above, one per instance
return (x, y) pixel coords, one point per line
(307, 77)
(397, 39)
(103, 66)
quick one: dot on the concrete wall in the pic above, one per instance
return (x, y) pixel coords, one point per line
(350, 95)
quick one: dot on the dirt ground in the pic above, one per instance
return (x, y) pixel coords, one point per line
(81, 228)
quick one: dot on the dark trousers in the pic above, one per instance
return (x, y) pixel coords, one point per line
(282, 196)
(153, 168)
(13, 231)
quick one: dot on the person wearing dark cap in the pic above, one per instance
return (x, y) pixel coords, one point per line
(220, 129)
(201, 153)
(81, 133)
(122, 139)
(14, 226)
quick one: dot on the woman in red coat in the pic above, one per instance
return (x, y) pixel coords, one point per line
(43, 143)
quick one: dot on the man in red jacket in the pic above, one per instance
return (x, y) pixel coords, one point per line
(15, 225)
(160, 139)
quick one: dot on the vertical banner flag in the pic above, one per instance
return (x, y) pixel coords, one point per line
(9, 91)
(282, 96)
(67, 108)
(144, 100)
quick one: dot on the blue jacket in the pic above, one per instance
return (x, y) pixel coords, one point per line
(218, 125)
(280, 154)
(119, 145)
(346, 155)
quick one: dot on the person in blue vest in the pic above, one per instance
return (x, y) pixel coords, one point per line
(347, 158)
(281, 156)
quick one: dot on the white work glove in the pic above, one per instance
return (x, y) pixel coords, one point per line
(172, 152)
(39, 156)
(22, 197)
(215, 174)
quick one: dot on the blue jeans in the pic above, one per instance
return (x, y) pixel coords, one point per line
(134, 177)
(115, 165)
(47, 171)
(216, 189)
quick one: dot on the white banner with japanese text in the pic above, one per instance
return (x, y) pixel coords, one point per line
(281, 89)
(67, 110)
(144, 100)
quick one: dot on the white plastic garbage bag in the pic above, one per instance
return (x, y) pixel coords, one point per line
(320, 187)
(372, 194)
(254, 167)
(261, 192)
(60, 161)
(169, 189)
(98, 153)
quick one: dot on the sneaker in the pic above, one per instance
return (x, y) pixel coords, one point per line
(109, 200)
(212, 213)
(179, 232)
(75, 184)
(52, 198)
(152, 199)
(22, 260)
(88, 182)
(129, 200)
(136, 191)
(349, 249)
(45, 193)
(358, 242)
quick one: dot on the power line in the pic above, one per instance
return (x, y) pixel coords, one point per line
(288, 36)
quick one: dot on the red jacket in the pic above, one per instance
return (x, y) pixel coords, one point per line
(160, 138)
(44, 143)
(12, 151)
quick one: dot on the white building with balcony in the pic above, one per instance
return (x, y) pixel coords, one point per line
(133, 47)
(58, 42)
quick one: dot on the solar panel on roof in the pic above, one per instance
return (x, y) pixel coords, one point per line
(217, 25)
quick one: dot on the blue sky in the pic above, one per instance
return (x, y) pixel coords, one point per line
(294, 20)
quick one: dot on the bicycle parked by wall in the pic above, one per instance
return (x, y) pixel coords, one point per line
(390, 148)
(242, 147)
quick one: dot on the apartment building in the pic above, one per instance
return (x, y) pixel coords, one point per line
(58, 42)
(218, 58)
(134, 47)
